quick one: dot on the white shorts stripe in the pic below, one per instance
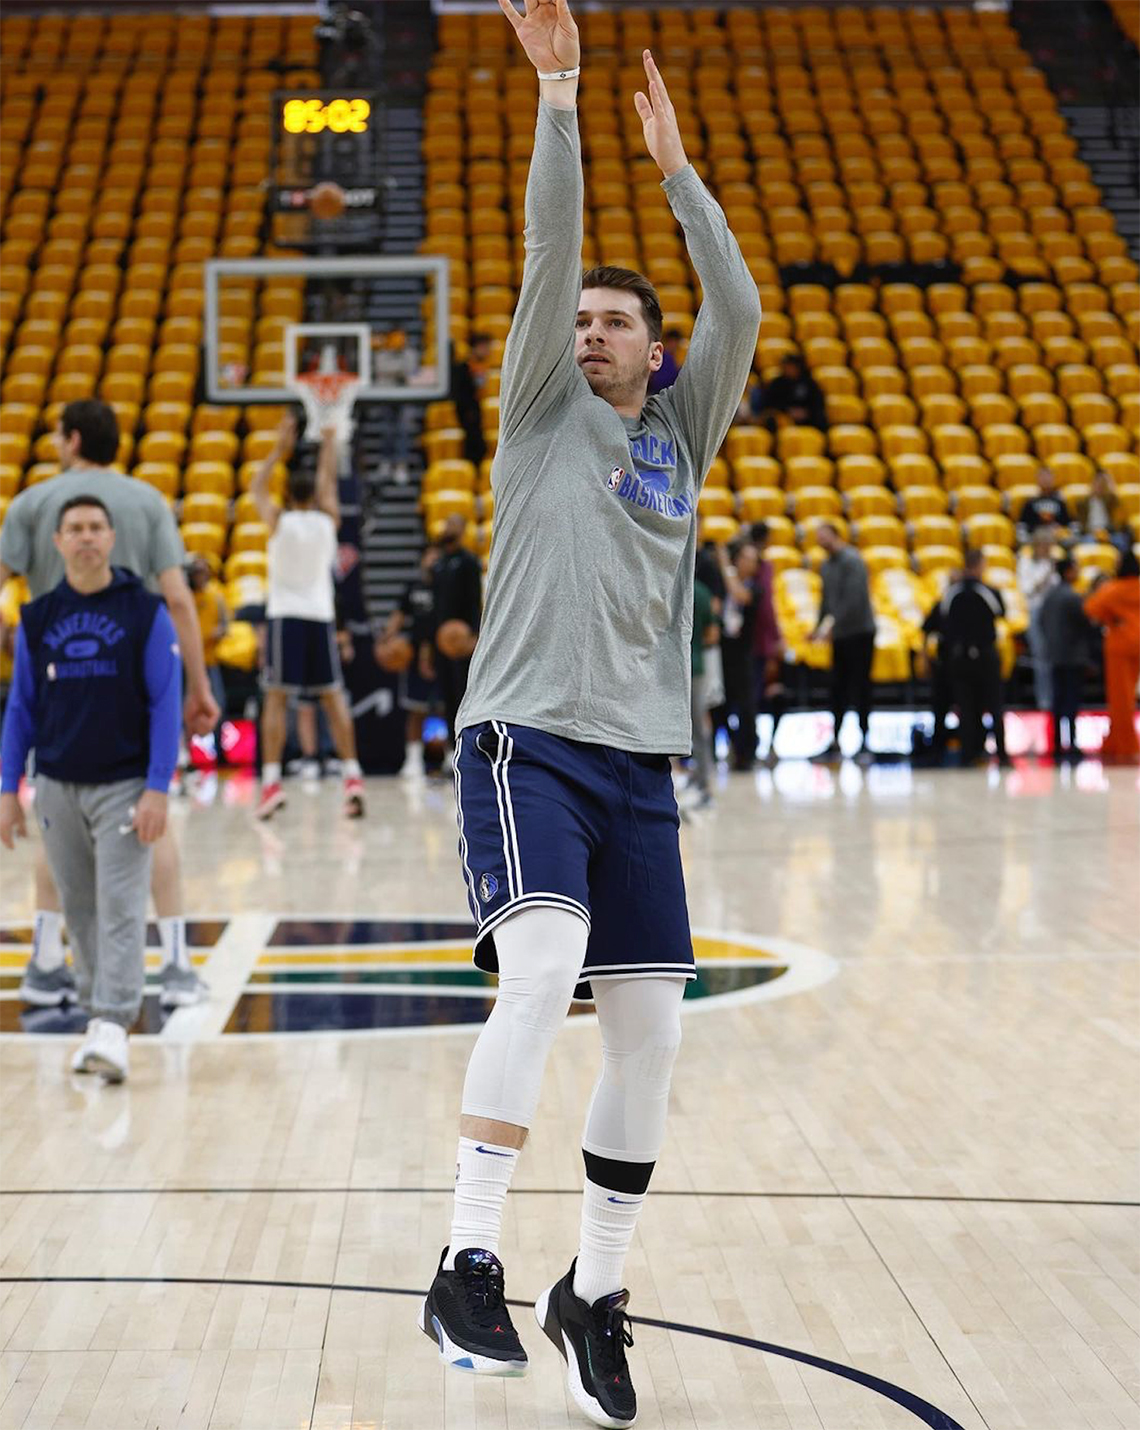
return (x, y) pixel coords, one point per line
(496, 775)
(519, 890)
(463, 851)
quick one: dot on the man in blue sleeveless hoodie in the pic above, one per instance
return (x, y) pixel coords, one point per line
(96, 691)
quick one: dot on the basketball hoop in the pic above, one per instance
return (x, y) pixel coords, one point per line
(328, 398)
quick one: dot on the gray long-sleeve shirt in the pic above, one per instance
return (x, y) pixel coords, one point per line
(588, 618)
(846, 594)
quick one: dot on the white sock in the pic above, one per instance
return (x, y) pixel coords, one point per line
(351, 770)
(172, 933)
(47, 940)
(608, 1223)
(483, 1174)
(270, 773)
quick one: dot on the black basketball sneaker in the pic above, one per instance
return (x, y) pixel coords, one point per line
(466, 1314)
(592, 1341)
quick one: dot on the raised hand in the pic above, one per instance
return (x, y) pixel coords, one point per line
(547, 33)
(659, 121)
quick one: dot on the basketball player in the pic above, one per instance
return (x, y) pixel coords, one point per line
(301, 650)
(578, 695)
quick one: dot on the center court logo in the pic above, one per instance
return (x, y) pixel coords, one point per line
(415, 975)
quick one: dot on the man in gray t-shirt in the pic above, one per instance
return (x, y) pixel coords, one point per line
(577, 696)
(847, 620)
(146, 537)
(146, 542)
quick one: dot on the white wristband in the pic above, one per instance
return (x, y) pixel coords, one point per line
(563, 74)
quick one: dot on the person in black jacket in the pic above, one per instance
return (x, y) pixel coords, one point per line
(795, 394)
(1047, 508)
(969, 614)
(457, 583)
(1068, 634)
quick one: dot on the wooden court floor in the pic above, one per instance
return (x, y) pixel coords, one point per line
(899, 1187)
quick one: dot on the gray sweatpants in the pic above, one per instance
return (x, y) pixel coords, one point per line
(103, 878)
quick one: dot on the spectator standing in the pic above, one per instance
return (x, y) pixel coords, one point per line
(301, 649)
(1115, 605)
(457, 583)
(1036, 573)
(213, 621)
(738, 633)
(147, 543)
(468, 378)
(969, 614)
(667, 374)
(767, 643)
(794, 395)
(1065, 630)
(395, 362)
(847, 620)
(1047, 508)
(96, 692)
(704, 634)
(414, 620)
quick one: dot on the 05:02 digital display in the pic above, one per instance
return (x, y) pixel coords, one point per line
(314, 116)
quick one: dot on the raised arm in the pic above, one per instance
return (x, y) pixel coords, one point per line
(538, 360)
(708, 389)
(282, 450)
(327, 465)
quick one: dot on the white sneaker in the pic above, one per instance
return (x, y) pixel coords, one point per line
(104, 1051)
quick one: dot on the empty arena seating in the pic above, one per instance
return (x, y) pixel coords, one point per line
(135, 146)
(973, 312)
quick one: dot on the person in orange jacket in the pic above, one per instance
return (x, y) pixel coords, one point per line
(1115, 605)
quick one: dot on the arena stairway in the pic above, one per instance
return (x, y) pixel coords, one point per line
(1094, 78)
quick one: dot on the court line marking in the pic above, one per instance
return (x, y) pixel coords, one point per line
(232, 959)
(836, 1196)
(921, 1409)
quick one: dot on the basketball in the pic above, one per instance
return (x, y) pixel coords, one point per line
(326, 200)
(455, 639)
(394, 655)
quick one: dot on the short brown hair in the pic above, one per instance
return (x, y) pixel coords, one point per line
(628, 281)
(98, 429)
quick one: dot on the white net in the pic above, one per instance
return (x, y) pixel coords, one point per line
(328, 398)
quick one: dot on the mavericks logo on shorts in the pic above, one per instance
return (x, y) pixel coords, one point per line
(488, 887)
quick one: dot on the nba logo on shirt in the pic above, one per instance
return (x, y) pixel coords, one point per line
(613, 481)
(488, 887)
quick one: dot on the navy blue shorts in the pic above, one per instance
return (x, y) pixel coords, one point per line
(301, 656)
(551, 823)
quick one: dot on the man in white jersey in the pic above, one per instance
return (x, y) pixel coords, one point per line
(579, 693)
(301, 655)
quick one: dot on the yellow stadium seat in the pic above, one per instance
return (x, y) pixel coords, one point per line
(1122, 467)
(1016, 497)
(874, 531)
(1012, 469)
(719, 529)
(989, 529)
(209, 478)
(760, 503)
(716, 501)
(922, 501)
(909, 469)
(249, 536)
(204, 537)
(163, 475)
(805, 471)
(932, 559)
(205, 507)
(161, 447)
(1053, 437)
(747, 442)
(934, 529)
(856, 470)
(870, 501)
(902, 440)
(809, 501)
(885, 558)
(756, 472)
(1105, 438)
(800, 442)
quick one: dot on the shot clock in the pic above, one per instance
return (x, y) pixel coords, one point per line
(327, 136)
(315, 115)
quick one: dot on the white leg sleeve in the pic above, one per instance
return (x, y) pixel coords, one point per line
(541, 952)
(641, 1031)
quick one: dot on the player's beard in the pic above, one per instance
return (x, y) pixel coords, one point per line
(618, 383)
